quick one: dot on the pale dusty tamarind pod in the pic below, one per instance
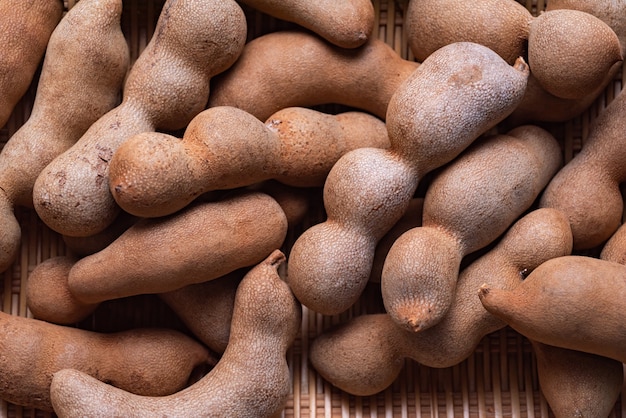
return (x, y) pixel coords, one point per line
(155, 174)
(365, 355)
(571, 302)
(502, 26)
(204, 307)
(83, 70)
(412, 218)
(504, 174)
(26, 27)
(368, 189)
(166, 87)
(578, 384)
(308, 75)
(208, 239)
(347, 24)
(252, 378)
(587, 187)
(147, 361)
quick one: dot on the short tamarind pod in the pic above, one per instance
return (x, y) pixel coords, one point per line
(369, 189)
(166, 87)
(295, 202)
(578, 384)
(251, 379)
(155, 174)
(587, 187)
(364, 355)
(308, 75)
(207, 240)
(421, 269)
(570, 302)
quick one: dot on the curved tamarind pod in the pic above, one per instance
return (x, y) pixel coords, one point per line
(578, 384)
(154, 174)
(251, 379)
(149, 361)
(26, 27)
(369, 189)
(587, 187)
(166, 87)
(505, 174)
(347, 24)
(570, 302)
(308, 75)
(365, 355)
(86, 61)
(205, 241)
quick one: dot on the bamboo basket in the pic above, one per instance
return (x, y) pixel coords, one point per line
(498, 380)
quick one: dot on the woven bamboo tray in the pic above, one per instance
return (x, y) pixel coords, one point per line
(498, 380)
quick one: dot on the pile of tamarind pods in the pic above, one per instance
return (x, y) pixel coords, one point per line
(192, 169)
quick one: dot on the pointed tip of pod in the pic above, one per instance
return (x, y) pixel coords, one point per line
(416, 318)
(521, 65)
